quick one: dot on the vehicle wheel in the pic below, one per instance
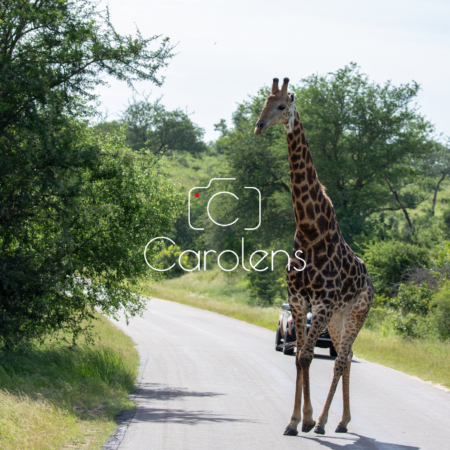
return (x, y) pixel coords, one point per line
(333, 352)
(278, 340)
(288, 339)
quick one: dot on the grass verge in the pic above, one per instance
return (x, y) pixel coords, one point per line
(226, 294)
(217, 291)
(425, 359)
(57, 397)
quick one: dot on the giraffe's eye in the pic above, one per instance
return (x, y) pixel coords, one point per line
(281, 107)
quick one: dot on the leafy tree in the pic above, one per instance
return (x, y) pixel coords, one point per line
(437, 166)
(150, 125)
(75, 210)
(365, 139)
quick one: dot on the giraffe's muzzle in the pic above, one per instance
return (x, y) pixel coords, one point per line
(260, 127)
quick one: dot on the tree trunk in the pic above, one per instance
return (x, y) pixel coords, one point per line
(436, 189)
(400, 203)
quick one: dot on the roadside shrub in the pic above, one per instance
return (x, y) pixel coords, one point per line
(412, 307)
(411, 325)
(387, 260)
(413, 299)
(169, 256)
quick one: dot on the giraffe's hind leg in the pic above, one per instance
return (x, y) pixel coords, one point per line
(335, 328)
(353, 320)
(346, 416)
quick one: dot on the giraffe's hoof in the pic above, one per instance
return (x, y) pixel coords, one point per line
(290, 432)
(307, 428)
(319, 430)
(341, 429)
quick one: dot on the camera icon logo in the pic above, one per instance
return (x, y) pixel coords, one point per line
(215, 195)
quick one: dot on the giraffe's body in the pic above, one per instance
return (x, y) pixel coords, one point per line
(334, 285)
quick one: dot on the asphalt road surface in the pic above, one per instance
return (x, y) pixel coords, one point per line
(212, 382)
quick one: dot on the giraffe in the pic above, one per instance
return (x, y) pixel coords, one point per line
(334, 284)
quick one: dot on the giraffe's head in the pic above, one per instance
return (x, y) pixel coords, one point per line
(277, 109)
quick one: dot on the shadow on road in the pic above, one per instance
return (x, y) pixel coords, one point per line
(161, 393)
(181, 416)
(157, 391)
(331, 358)
(361, 443)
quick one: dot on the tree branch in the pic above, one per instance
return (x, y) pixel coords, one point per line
(399, 202)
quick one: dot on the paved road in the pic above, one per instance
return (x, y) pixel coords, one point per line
(211, 382)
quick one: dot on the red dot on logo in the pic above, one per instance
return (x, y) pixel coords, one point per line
(197, 195)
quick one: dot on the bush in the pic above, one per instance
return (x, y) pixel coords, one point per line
(169, 256)
(387, 260)
(413, 299)
(442, 300)
(442, 260)
(446, 219)
(411, 325)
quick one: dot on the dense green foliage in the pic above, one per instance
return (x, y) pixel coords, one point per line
(171, 256)
(387, 261)
(75, 209)
(265, 287)
(150, 126)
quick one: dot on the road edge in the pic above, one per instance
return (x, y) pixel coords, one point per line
(124, 418)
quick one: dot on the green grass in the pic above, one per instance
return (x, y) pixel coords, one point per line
(226, 294)
(425, 359)
(217, 291)
(57, 397)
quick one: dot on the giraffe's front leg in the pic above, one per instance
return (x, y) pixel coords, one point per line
(318, 322)
(321, 317)
(299, 316)
(291, 429)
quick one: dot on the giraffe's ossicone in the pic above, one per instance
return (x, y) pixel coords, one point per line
(334, 285)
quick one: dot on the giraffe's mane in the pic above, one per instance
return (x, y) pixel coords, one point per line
(324, 192)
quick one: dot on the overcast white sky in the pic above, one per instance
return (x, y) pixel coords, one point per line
(228, 49)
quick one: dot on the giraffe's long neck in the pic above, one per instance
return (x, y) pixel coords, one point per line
(314, 213)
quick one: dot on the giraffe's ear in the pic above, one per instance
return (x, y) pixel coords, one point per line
(291, 98)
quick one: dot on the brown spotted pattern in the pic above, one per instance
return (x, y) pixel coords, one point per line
(334, 284)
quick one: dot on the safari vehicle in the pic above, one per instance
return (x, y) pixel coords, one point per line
(286, 337)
